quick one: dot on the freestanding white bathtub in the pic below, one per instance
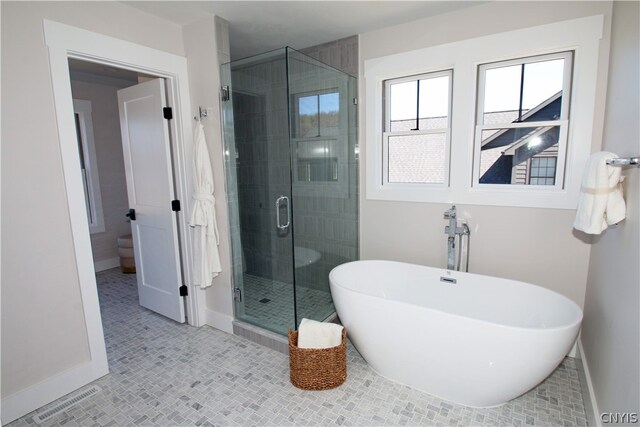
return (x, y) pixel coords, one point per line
(478, 342)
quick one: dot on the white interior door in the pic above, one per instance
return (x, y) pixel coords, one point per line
(147, 158)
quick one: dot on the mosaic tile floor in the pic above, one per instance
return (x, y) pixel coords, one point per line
(168, 374)
(270, 304)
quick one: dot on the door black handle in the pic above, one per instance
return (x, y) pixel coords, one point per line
(131, 214)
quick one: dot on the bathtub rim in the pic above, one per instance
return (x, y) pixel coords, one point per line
(577, 322)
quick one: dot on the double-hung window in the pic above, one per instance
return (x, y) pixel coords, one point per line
(510, 123)
(417, 134)
(522, 121)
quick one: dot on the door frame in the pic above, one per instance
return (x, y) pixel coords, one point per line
(64, 42)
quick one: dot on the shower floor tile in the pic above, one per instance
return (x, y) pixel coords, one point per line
(167, 374)
(269, 304)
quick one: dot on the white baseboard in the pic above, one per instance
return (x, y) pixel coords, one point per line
(106, 264)
(44, 392)
(592, 396)
(219, 321)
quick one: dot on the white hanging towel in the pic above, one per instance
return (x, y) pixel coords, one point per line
(203, 215)
(600, 203)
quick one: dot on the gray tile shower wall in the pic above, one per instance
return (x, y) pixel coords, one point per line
(341, 54)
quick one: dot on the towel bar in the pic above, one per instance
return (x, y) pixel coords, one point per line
(628, 161)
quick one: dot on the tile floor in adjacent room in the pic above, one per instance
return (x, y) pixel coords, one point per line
(168, 374)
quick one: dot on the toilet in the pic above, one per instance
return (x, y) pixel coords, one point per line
(125, 251)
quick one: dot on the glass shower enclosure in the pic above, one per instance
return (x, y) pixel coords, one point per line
(292, 184)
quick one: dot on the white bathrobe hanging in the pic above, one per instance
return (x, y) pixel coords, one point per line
(203, 215)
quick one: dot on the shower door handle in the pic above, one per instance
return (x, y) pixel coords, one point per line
(279, 201)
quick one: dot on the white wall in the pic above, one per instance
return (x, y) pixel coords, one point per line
(207, 47)
(108, 145)
(533, 245)
(43, 330)
(611, 326)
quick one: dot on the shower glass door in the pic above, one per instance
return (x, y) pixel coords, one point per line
(292, 186)
(257, 161)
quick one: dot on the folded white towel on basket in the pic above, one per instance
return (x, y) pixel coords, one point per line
(600, 203)
(313, 334)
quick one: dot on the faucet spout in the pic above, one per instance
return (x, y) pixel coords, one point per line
(452, 215)
(450, 212)
(452, 230)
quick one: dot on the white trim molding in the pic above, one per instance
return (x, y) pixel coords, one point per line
(582, 36)
(219, 321)
(591, 395)
(106, 264)
(66, 42)
(44, 392)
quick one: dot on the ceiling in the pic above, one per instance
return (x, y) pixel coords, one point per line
(260, 26)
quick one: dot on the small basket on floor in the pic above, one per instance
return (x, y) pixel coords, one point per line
(125, 251)
(317, 368)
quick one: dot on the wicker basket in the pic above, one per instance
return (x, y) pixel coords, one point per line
(317, 368)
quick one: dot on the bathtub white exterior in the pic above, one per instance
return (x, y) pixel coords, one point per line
(479, 342)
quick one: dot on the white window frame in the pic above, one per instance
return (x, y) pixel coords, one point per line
(388, 133)
(91, 179)
(582, 36)
(562, 122)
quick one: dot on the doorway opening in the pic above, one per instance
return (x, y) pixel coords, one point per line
(127, 169)
(66, 42)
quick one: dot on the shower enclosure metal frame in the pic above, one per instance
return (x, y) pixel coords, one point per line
(292, 184)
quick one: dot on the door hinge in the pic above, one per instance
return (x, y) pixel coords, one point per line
(237, 294)
(183, 291)
(175, 205)
(224, 93)
(355, 101)
(167, 112)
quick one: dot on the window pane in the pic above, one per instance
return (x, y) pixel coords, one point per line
(502, 94)
(329, 103)
(505, 153)
(80, 142)
(543, 171)
(308, 124)
(542, 81)
(403, 102)
(523, 92)
(329, 114)
(421, 104)
(417, 158)
(434, 103)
